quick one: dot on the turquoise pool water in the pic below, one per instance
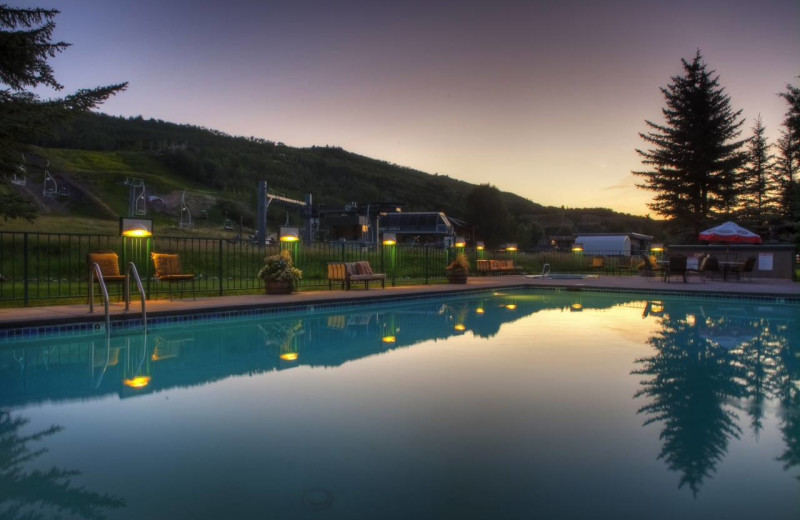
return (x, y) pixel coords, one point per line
(516, 405)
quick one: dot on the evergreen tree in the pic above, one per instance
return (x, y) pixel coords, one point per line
(789, 155)
(695, 158)
(25, 46)
(757, 186)
(490, 216)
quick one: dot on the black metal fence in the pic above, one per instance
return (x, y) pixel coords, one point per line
(38, 267)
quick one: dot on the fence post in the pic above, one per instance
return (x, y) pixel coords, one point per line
(426, 264)
(220, 267)
(25, 267)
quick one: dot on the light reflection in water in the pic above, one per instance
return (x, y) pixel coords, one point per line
(403, 380)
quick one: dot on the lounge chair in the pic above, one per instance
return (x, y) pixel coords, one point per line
(348, 272)
(169, 270)
(362, 272)
(108, 262)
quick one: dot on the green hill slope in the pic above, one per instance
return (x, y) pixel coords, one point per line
(95, 153)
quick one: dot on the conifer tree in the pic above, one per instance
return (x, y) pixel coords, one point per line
(789, 156)
(758, 193)
(695, 157)
(25, 46)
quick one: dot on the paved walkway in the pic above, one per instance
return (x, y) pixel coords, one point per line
(58, 314)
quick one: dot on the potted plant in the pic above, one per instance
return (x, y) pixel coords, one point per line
(458, 269)
(279, 273)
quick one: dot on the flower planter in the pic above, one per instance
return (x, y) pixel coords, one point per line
(278, 286)
(457, 276)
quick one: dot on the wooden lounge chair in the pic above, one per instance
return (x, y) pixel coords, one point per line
(348, 272)
(168, 269)
(362, 272)
(108, 262)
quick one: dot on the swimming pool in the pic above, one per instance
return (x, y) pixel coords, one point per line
(497, 405)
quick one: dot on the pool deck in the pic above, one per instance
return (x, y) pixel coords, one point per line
(22, 317)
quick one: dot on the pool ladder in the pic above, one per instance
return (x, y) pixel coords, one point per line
(97, 275)
(545, 270)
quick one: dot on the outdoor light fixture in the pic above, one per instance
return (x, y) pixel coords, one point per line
(657, 248)
(135, 227)
(511, 247)
(137, 382)
(389, 239)
(576, 307)
(389, 339)
(511, 306)
(290, 234)
(460, 327)
(460, 242)
(479, 310)
(577, 248)
(479, 246)
(289, 356)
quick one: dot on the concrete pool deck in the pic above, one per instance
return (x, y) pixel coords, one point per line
(13, 318)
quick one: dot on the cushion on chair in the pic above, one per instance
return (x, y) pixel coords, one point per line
(363, 268)
(108, 262)
(166, 264)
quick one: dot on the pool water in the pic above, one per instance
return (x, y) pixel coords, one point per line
(498, 405)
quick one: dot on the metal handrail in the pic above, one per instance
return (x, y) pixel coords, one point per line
(96, 272)
(132, 268)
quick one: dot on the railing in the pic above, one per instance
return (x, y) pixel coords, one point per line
(41, 267)
(128, 270)
(97, 275)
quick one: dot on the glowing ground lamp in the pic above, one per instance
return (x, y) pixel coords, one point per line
(480, 248)
(577, 248)
(512, 248)
(460, 244)
(290, 240)
(137, 382)
(289, 352)
(389, 245)
(135, 227)
(576, 307)
(390, 330)
(657, 249)
(137, 234)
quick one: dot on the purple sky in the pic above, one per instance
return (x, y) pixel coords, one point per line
(544, 99)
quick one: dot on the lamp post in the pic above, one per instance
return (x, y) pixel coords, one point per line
(290, 241)
(137, 234)
(389, 243)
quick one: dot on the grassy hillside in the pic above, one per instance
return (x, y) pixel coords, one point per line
(94, 154)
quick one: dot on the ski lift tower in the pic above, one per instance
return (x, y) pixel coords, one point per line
(265, 199)
(21, 178)
(50, 188)
(186, 215)
(137, 199)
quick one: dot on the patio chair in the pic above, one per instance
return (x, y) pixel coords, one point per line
(746, 269)
(677, 266)
(709, 267)
(108, 262)
(168, 269)
(624, 264)
(598, 263)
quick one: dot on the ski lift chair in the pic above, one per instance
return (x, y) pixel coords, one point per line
(108, 262)
(168, 269)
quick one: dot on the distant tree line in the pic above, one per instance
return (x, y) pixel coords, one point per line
(701, 171)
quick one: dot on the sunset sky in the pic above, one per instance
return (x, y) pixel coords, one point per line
(541, 98)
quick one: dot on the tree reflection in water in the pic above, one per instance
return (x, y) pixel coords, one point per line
(692, 379)
(31, 495)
